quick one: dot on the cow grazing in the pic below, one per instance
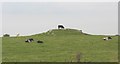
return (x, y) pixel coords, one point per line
(29, 40)
(39, 41)
(60, 27)
(107, 38)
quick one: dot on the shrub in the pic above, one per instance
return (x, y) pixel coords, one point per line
(6, 35)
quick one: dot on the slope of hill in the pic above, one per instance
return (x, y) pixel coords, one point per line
(60, 46)
(62, 32)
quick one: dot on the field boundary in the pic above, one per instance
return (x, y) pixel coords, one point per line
(59, 63)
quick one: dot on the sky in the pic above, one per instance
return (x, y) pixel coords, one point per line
(27, 18)
(0, 19)
(59, 0)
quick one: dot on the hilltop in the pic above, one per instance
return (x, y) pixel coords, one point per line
(62, 32)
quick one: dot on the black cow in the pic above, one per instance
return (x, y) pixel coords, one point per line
(39, 41)
(60, 27)
(29, 40)
(109, 37)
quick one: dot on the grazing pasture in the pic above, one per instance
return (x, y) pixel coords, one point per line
(60, 45)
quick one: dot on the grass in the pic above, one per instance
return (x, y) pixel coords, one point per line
(0, 50)
(60, 46)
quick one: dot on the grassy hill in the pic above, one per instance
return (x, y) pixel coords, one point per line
(60, 46)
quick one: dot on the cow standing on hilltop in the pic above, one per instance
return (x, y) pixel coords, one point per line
(60, 27)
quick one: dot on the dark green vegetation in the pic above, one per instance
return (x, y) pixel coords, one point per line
(6, 35)
(60, 46)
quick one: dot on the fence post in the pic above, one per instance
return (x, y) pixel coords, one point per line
(78, 57)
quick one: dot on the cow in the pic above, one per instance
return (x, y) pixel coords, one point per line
(60, 27)
(107, 38)
(29, 40)
(110, 38)
(39, 41)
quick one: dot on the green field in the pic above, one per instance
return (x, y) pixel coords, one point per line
(0, 50)
(60, 46)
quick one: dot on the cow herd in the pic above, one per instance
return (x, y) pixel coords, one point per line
(59, 27)
(30, 40)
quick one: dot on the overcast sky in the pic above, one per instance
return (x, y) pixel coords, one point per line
(32, 18)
